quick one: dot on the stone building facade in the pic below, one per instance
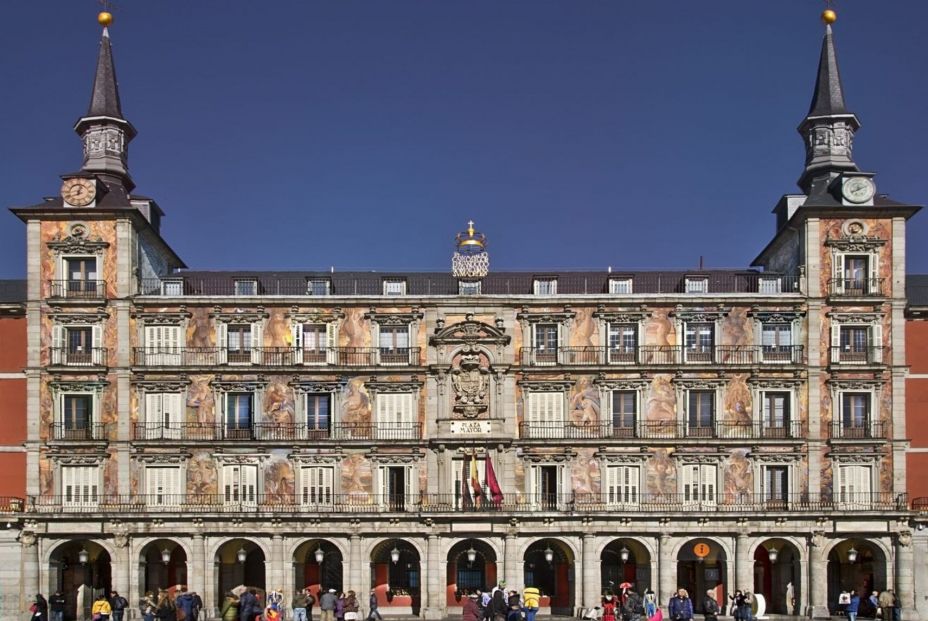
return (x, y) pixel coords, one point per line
(422, 434)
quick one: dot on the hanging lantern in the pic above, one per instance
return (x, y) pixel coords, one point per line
(83, 556)
(395, 555)
(471, 555)
(772, 554)
(165, 556)
(623, 554)
(549, 555)
(320, 555)
(852, 555)
(241, 555)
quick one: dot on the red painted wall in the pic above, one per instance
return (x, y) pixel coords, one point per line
(12, 343)
(916, 406)
(12, 405)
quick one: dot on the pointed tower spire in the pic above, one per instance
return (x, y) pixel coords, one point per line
(103, 130)
(828, 129)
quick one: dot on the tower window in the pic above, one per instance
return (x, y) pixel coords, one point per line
(545, 286)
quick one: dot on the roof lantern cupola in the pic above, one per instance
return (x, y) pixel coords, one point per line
(470, 262)
(828, 129)
(104, 130)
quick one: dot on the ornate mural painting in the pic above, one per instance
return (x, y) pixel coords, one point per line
(111, 474)
(357, 476)
(355, 330)
(279, 406)
(583, 405)
(738, 481)
(736, 406)
(279, 478)
(659, 329)
(585, 475)
(200, 328)
(585, 329)
(46, 477)
(356, 403)
(661, 404)
(200, 400)
(661, 474)
(202, 474)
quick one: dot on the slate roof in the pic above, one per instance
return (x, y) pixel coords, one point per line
(104, 100)
(828, 98)
(916, 289)
(12, 291)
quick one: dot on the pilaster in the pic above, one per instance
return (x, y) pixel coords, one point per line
(511, 564)
(354, 564)
(905, 574)
(666, 568)
(590, 565)
(744, 564)
(818, 578)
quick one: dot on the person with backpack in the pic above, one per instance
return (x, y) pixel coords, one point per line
(57, 603)
(118, 604)
(531, 596)
(711, 606)
(632, 606)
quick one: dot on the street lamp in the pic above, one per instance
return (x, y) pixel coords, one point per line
(320, 555)
(83, 556)
(623, 554)
(772, 554)
(241, 555)
(471, 555)
(549, 555)
(852, 555)
(165, 556)
(395, 555)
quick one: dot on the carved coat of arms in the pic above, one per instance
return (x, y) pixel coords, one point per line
(470, 382)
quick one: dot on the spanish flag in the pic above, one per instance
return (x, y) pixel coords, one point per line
(475, 479)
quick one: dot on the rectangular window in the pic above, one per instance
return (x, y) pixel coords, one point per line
(624, 413)
(856, 274)
(776, 342)
(76, 417)
(855, 415)
(317, 414)
(239, 408)
(700, 415)
(545, 286)
(238, 348)
(246, 287)
(163, 486)
(396, 417)
(81, 277)
(164, 415)
(80, 486)
(546, 486)
(622, 484)
(394, 345)
(697, 284)
(240, 484)
(623, 343)
(317, 485)
(776, 485)
(315, 343)
(620, 286)
(776, 414)
(396, 487)
(546, 343)
(172, 287)
(163, 345)
(699, 342)
(854, 486)
(769, 285)
(469, 287)
(545, 415)
(855, 344)
(318, 286)
(699, 483)
(394, 287)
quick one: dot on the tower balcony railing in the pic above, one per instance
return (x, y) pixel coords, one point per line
(275, 432)
(77, 357)
(856, 287)
(274, 356)
(859, 430)
(79, 289)
(81, 432)
(607, 430)
(857, 355)
(663, 355)
(324, 501)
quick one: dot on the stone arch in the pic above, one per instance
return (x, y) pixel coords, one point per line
(549, 564)
(153, 573)
(214, 549)
(81, 569)
(565, 541)
(491, 542)
(309, 572)
(232, 570)
(106, 544)
(396, 574)
(465, 576)
(870, 570)
(635, 568)
(702, 565)
(778, 575)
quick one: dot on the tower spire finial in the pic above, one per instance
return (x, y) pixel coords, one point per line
(829, 127)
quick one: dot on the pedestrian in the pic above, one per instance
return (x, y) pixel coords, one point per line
(166, 610)
(327, 603)
(299, 604)
(885, 600)
(101, 609)
(853, 606)
(147, 605)
(513, 599)
(229, 611)
(874, 601)
(57, 603)
(498, 608)
(184, 603)
(632, 604)
(373, 607)
(737, 605)
(39, 608)
(486, 599)
(531, 597)
(351, 606)
(118, 604)
(197, 605)
(471, 610)
(650, 604)
(248, 605)
(610, 605)
(747, 612)
(710, 606)
(680, 607)
(310, 602)
(340, 606)
(896, 606)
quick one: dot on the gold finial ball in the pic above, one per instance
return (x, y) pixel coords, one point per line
(829, 16)
(105, 18)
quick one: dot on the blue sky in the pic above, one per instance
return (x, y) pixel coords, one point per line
(365, 133)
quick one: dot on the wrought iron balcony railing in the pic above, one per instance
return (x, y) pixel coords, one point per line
(70, 357)
(77, 289)
(655, 355)
(275, 432)
(856, 287)
(857, 355)
(274, 356)
(606, 430)
(322, 501)
(859, 430)
(84, 432)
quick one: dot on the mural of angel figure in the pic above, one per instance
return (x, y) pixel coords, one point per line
(200, 400)
(278, 404)
(355, 330)
(737, 404)
(279, 481)
(739, 476)
(659, 330)
(661, 475)
(199, 332)
(202, 477)
(661, 406)
(584, 403)
(356, 406)
(583, 333)
(585, 475)
(356, 475)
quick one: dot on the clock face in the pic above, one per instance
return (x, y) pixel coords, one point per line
(78, 192)
(858, 189)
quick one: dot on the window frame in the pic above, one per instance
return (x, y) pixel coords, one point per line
(619, 285)
(394, 287)
(698, 430)
(544, 286)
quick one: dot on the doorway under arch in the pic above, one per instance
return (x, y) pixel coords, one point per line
(239, 562)
(625, 560)
(81, 570)
(396, 575)
(471, 566)
(318, 565)
(777, 576)
(162, 565)
(549, 566)
(701, 565)
(859, 565)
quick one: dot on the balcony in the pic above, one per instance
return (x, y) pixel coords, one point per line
(864, 430)
(855, 287)
(663, 355)
(87, 432)
(77, 289)
(416, 504)
(70, 357)
(676, 430)
(274, 357)
(276, 432)
(860, 356)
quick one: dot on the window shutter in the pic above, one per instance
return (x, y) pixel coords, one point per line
(257, 343)
(173, 414)
(222, 342)
(873, 262)
(249, 484)
(331, 342)
(708, 483)
(876, 342)
(153, 409)
(835, 341)
(58, 352)
(296, 340)
(222, 410)
(96, 336)
(839, 274)
(690, 474)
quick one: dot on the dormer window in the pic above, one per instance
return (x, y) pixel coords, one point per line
(469, 287)
(318, 286)
(620, 286)
(769, 285)
(173, 287)
(697, 284)
(394, 286)
(246, 287)
(545, 286)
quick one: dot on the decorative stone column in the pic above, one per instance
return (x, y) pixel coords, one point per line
(905, 574)
(354, 564)
(277, 565)
(433, 597)
(121, 564)
(818, 577)
(511, 563)
(744, 564)
(590, 565)
(29, 541)
(666, 564)
(196, 570)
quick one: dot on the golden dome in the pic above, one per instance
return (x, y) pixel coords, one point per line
(105, 18)
(829, 16)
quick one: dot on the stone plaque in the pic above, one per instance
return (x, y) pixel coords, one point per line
(462, 427)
